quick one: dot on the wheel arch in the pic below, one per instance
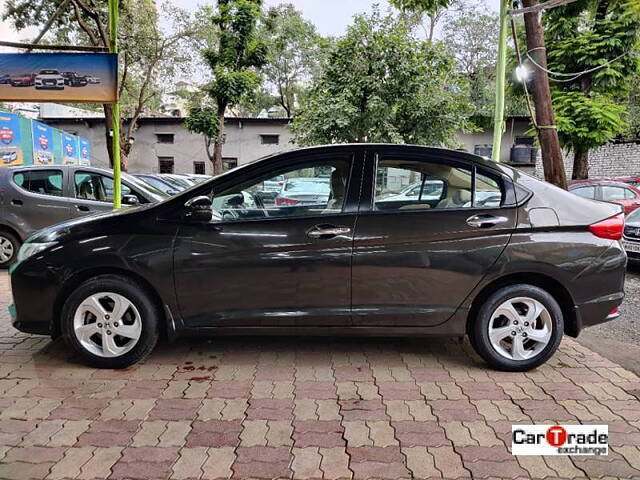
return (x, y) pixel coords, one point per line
(74, 281)
(558, 291)
(7, 228)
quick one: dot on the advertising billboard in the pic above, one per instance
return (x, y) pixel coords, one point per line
(70, 149)
(59, 77)
(10, 140)
(85, 151)
(42, 144)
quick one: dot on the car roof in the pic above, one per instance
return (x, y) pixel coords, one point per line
(596, 182)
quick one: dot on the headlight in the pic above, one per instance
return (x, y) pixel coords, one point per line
(29, 249)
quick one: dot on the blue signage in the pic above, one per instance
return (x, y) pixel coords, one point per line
(42, 143)
(10, 140)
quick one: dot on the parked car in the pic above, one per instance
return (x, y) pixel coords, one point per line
(178, 180)
(23, 80)
(72, 79)
(631, 238)
(304, 191)
(9, 156)
(429, 190)
(514, 277)
(93, 80)
(158, 182)
(51, 79)
(269, 189)
(5, 79)
(608, 191)
(34, 197)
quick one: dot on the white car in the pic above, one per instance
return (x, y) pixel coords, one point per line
(49, 79)
(95, 80)
(432, 190)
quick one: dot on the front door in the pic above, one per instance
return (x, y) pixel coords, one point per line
(277, 261)
(425, 237)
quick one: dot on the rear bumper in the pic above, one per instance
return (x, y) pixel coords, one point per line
(597, 311)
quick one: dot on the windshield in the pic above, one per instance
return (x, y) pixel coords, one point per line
(309, 186)
(152, 191)
(634, 216)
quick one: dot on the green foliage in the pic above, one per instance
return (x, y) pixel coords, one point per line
(420, 6)
(203, 120)
(586, 121)
(233, 61)
(295, 51)
(380, 84)
(581, 36)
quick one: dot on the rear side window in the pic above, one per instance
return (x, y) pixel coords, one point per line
(489, 191)
(610, 193)
(585, 192)
(44, 182)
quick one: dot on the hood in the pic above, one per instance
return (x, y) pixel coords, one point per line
(79, 226)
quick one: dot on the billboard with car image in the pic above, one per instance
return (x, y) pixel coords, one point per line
(59, 77)
(10, 140)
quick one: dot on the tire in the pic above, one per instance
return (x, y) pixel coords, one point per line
(9, 246)
(137, 321)
(507, 311)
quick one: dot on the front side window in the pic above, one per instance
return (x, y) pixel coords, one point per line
(97, 187)
(44, 182)
(585, 192)
(414, 185)
(309, 189)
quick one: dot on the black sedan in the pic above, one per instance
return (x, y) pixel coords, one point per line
(513, 275)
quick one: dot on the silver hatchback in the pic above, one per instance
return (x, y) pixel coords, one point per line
(34, 197)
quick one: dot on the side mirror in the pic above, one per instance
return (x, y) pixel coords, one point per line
(130, 200)
(198, 209)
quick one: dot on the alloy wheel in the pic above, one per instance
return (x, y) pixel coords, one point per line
(107, 324)
(520, 328)
(6, 249)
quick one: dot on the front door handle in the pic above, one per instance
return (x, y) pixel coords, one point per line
(82, 208)
(327, 231)
(17, 203)
(485, 221)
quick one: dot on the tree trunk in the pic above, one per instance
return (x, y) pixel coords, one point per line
(217, 147)
(580, 165)
(552, 160)
(108, 121)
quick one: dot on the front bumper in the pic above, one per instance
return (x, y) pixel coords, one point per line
(35, 289)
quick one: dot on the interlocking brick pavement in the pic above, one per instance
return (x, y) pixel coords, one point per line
(301, 408)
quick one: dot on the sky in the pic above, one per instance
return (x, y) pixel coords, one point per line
(330, 16)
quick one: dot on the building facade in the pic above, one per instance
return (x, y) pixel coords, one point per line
(163, 144)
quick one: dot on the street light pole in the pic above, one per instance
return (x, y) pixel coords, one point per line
(501, 68)
(115, 125)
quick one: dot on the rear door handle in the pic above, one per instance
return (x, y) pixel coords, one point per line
(327, 231)
(16, 202)
(485, 221)
(82, 208)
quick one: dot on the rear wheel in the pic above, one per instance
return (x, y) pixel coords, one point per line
(110, 321)
(518, 328)
(9, 246)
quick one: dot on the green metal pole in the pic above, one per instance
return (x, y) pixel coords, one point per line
(501, 67)
(115, 126)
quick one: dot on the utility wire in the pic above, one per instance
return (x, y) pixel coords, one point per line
(573, 76)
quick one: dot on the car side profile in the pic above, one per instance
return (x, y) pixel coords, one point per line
(514, 275)
(34, 197)
(621, 193)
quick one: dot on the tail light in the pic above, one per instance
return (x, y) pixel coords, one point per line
(611, 228)
(286, 201)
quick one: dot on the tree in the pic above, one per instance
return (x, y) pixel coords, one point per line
(600, 39)
(148, 56)
(239, 54)
(380, 84)
(294, 54)
(415, 10)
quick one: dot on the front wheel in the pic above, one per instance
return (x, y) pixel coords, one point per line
(517, 328)
(110, 321)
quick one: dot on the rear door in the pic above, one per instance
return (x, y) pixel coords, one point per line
(35, 199)
(417, 258)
